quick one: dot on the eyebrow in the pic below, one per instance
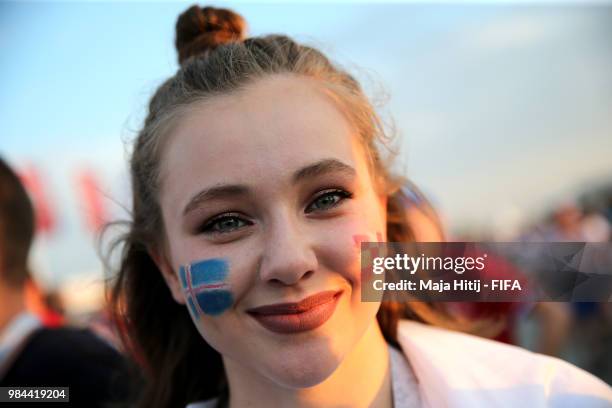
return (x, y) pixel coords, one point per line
(217, 192)
(316, 169)
(323, 167)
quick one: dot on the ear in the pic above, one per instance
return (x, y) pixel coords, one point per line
(170, 277)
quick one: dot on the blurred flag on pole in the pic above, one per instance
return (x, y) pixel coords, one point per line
(45, 218)
(92, 200)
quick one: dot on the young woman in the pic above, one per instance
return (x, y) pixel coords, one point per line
(255, 177)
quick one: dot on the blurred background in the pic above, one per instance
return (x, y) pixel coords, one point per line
(502, 111)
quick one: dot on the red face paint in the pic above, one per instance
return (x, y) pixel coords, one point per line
(358, 239)
(368, 254)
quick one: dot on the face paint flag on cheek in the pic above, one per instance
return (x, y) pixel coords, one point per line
(205, 287)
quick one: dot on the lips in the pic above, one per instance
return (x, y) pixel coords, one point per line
(305, 315)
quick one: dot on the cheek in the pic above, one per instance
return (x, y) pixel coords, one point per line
(343, 250)
(206, 287)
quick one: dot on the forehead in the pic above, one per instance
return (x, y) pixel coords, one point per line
(260, 133)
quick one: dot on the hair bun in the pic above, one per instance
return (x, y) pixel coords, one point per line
(202, 29)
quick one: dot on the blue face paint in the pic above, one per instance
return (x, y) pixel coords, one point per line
(214, 302)
(192, 306)
(209, 272)
(203, 283)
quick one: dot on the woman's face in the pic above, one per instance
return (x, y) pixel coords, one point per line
(265, 195)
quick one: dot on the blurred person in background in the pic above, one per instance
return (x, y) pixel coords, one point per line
(589, 333)
(554, 319)
(580, 332)
(570, 222)
(31, 353)
(555, 322)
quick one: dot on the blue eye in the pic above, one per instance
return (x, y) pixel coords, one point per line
(328, 199)
(224, 224)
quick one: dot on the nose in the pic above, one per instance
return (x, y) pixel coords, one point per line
(289, 256)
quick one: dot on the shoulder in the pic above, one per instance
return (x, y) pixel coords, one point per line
(74, 357)
(70, 345)
(469, 369)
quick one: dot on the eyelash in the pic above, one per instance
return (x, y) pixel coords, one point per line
(343, 194)
(209, 226)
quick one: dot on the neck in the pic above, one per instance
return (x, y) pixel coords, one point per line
(13, 303)
(361, 380)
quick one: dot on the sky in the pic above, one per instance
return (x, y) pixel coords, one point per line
(500, 111)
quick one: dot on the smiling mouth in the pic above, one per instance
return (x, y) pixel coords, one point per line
(305, 315)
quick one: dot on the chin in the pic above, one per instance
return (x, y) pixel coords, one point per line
(303, 369)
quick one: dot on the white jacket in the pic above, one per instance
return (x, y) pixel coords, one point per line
(460, 371)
